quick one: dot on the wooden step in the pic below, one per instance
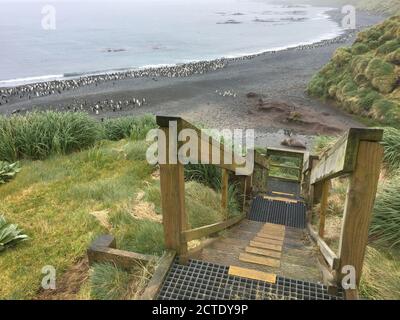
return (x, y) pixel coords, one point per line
(281, 199)
(270, 236)
(264, 252)
(252, 274)
(270, 262)
(283, 193)
(265, 246)
(269, 241)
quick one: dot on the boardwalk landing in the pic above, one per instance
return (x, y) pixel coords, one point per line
(267, 256)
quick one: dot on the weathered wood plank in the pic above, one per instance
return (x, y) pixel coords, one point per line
(263, 245)
(341, 158)
(121, 258)
(358, 207)
(252, 274)
(247, 257)
(224, 190)
(201, 232)
(279, 237)
(329, 256)
(264, 252)
(156, 281)
(323, 207)
(288, 200)
(267, 240)
(172, 183)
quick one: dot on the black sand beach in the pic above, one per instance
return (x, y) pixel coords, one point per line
(265, 92)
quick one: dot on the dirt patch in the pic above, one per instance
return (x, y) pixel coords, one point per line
(290, 115)
(102, 217)
(69, 285)
(144, 210)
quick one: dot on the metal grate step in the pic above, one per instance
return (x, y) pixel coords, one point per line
(278, 212)
(201, 280)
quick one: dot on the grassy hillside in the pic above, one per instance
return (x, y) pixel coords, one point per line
(65, 195)
(364, 79)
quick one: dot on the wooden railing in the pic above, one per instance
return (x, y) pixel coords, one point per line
(358, 156)
(176, 230)
(297, 156)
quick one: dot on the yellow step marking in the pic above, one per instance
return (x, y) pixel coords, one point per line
(252, 274)
(269, 241)
(264, 252)
(264, 245)
(282, 193)
(270, 236)
(247, 257)
(281, 199)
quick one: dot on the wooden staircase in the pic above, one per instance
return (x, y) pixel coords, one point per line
(271, 258)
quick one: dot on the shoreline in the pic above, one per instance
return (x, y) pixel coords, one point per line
(218, 99)
(195, 66)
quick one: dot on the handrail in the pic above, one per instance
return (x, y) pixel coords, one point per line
(176, 231)
(340, 159)
(357, 154)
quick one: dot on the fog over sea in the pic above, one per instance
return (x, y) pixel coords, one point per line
(105, 36)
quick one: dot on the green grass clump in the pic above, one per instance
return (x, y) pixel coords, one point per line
(207, 174)
(109, 282)
(381, 275)
(386, 214)
(391, 144)
(363, 79)
(129, 127)
(40, 134)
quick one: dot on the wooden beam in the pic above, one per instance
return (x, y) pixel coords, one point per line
(286, 152)
(121, 258)
(323, 207)
(198, 233)
(207, 146)
(159, 275)
(224, 191)
(341, 158)
(358, 206)
(330, 257)
(172, 183)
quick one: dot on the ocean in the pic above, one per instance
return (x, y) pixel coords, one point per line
(92, 37)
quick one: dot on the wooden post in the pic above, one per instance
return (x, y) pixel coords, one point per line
(172, 182)
(323, 207)
(358, 208)
(224, 191)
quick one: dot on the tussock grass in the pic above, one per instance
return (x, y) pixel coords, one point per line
(129, 127)
(364, 79)
(381, 275)
(391, 143)
(386, 217)
(40, 134)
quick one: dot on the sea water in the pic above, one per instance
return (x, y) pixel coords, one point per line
(99, 36)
